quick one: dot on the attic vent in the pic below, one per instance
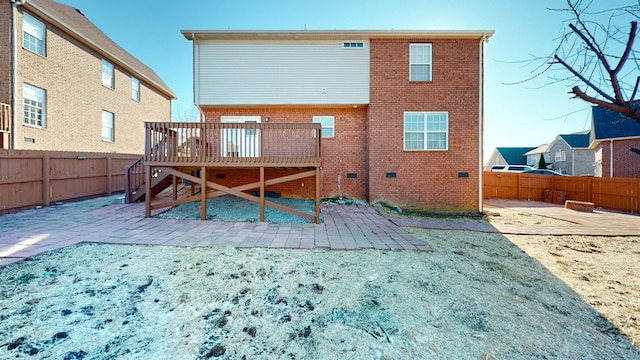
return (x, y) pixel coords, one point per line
(353, 45)
(79, 12)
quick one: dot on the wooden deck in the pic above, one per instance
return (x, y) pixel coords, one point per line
(177, 149)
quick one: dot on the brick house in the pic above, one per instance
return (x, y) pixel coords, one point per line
(615, 139)
(401, 111)
(69, 86)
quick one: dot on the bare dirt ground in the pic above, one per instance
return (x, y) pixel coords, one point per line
(476, 296)
(604, 271)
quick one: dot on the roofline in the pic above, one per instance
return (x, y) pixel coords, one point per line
(194, 35)
(595, 142)
(92, 45)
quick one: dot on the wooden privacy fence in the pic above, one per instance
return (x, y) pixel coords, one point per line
(609, 193)
(31, 178)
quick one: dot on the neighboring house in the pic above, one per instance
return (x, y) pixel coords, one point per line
(570, 154)
(533, 156)
(615, 139)
(69, 86)
(508, 156)
(401, 111)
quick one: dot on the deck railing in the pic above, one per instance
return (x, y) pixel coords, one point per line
(5, 118)
(232, 144)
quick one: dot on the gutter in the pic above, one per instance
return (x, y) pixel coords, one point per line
(14, 75)
(483, 40)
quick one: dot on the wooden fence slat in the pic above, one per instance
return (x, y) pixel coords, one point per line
(621, 194)
(33, 177)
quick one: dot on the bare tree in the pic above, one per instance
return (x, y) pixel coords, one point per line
(186, 114)
(598, 52)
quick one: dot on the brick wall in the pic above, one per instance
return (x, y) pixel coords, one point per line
(71, 75)
(626, 164)
(344, 154)
(5, 51)
(425, 180)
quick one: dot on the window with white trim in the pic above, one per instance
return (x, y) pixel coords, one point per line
(419, 62)
(135, 89)
(328, 125)
(107, 74)
(426, 130)
(107, 126)
(560, 155)
(34, 105)
(33, 34)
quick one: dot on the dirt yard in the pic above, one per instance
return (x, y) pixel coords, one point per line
(476, 296)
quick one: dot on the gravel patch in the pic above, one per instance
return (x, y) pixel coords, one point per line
(233, 208)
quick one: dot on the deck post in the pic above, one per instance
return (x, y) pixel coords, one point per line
(147, 191)
(262, 193)
(317, 195)
(203, 191)
(174, 183)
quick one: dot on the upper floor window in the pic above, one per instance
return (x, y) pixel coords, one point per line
(107, 74)
(560, 155)
(328, 125)
(420, 62)
(34, 32)
(135, 89)
(353, 44)
(107, 125)
(426, 130)
(34, 105)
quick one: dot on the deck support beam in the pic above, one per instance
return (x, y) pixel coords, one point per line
(261, 194)
(147, 189)
(203, 192)
(237, 191)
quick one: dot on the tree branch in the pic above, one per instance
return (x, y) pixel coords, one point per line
(627, 50)
(625, 109)
(585, 80)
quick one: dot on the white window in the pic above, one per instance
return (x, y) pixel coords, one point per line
(33, 34)
(34, 105)
(561, 155)
(353, 45)
(107, 74)
(420, 62)
(328, 125)
(107, 125)
(426, 131)
(135, 89)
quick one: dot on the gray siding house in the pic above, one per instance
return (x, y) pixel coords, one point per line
(570, 154)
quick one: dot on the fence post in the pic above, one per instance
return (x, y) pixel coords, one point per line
(109, 174)
(46, 179)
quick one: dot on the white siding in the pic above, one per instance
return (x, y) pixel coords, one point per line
(280, 73)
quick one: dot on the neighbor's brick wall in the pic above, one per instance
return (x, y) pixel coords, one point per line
(5, 51)
(72, 77)
(426, 180)
(345, 153)
(626, 164)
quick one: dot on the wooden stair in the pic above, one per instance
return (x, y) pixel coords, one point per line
(135, 184)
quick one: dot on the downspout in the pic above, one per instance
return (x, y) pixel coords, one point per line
(610, 158)
(14, 75)
(573, 162)
(481, 120)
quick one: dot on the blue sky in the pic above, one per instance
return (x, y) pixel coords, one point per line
(526, 114)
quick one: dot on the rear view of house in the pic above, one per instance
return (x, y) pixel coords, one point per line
(64, 85)
(400, 112)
